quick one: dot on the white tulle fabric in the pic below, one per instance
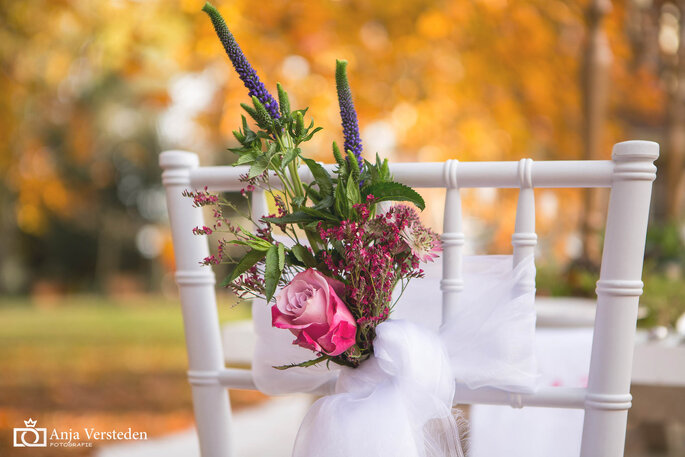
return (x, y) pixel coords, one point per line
(398, 403)
(491, 343)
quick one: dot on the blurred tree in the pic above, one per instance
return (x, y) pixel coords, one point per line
(90, 91)
(672, 41)
(78, 103)
(597, 59)
(657, 37)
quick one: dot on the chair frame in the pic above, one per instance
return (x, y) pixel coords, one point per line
(606, 399)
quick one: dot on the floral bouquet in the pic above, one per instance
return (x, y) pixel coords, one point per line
(332, 260)
(333, 281)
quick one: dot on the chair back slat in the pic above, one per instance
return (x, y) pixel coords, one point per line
(452, 282)
(524, 238)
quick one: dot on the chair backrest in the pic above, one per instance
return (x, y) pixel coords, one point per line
(606, 399)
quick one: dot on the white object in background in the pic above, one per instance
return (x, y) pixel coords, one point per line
(659, 362)
(680, 325)
(565, 312)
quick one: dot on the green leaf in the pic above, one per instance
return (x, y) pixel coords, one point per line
(256, 169)
(244, 264)
(311, 193)
(239, 151)
(352, 191)
(325, 202)
(245, 158)
(256, 244)
(394, 191)
(295, 217)
(281, 256)
(343, 171)
(318, 214)
(341, 204)
(370, 174)
(250, 136)
(290, 155)
(239, 136)
(312, 226)
(303, 255)
(270, 151)
(272, 272)
(311, 134)
(321, 176)
(292, 260)
(260, 243)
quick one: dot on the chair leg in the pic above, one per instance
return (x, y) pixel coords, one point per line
(198, 302)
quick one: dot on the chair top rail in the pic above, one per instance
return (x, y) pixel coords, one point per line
(543, 174)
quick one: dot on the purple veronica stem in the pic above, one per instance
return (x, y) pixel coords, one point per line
(247, 74)
(348, 114)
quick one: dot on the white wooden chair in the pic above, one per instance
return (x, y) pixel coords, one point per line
(606, 399)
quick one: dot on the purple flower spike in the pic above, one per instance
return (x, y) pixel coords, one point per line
(247, 74)
(347, 112)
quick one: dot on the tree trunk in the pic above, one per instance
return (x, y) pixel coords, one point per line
(674, 160)
(597, 59)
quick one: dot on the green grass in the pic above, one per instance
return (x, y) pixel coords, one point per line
(80, 334)
(80, 360)
(663, 296)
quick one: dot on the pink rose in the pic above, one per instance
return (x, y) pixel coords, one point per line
(310, 307)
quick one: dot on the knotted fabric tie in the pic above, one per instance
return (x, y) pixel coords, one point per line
(398, 403)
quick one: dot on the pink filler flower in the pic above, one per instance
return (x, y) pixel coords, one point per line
(310, 307)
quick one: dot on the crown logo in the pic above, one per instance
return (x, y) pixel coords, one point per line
(30, 423)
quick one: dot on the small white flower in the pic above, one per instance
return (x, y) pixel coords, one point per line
(423, 242)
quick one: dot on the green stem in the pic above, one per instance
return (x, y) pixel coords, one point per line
(313, 242)
(292, 166)
(308, 363)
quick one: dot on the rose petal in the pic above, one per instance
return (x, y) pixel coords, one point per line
(337, 311)
(307, 342)
(337, 286)
(338, 340)
(314, 310)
